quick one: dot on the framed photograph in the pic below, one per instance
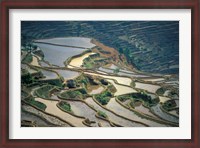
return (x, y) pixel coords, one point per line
(100, 73)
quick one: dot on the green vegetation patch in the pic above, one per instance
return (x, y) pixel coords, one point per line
(55, 82)
(132, 84)
(88, 62)
(82, 80)
(116, 70)
(24, 94)
(65, 106)
(26, 77)
(111, 88)
(36, 103)
(87, 81)
(147, 99)
(104, 97)
(123, 98)
(28, 58)
(94, 61)
(43, 92)
(74, 94)
(160, 91)
(169, 105)
(102, 114)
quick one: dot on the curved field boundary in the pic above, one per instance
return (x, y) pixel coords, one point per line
(112, 75)
(28, 94)
(42, 118)
(118, 114)
(31, 66)
(86, 124)
(49, 91)
(67, 61)
(168, 112)
(48, 69)
(56, 68)
(60, 45)
(146, 107)
(65, 68)
(48, 113)
(116, 82)
(69, 112)
(147, 82)
(134, 73)
(111, 123)
(71, 90)
(63, 109)
(144, 115)
(105, 119)
(134, 80)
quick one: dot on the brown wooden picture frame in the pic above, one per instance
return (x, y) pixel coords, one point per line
(6, 5)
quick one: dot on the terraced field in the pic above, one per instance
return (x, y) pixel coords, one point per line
(81, 74)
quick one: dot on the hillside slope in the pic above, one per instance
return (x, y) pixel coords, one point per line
(150, 46)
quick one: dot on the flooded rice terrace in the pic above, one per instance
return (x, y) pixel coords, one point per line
(69, 41)
(78, 81)
(57, 55)
(67, 74)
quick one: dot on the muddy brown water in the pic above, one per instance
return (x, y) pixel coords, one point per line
(78, 61)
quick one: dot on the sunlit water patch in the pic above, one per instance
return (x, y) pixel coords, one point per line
(67, 74)
(35, 61)
(57, 55)
(149, 87)
(121, 80)
(121, 89)
(70, 41)
(49, 74)
(163, 99)
(78, 61)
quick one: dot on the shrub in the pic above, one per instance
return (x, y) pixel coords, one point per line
(104, 97)
(28, 58)
(102, 114)
(43, 92)
(160, 91)
(116, 70)
(169, 105)
(26, 78)
(65, 106)
(73, 94)
(36, 103)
